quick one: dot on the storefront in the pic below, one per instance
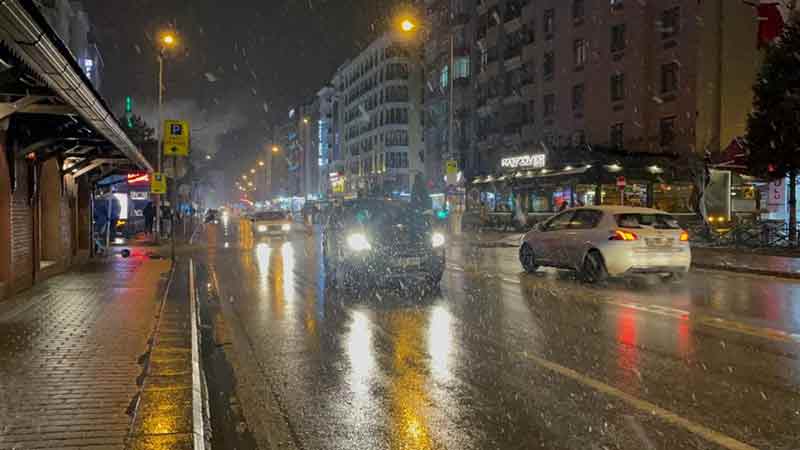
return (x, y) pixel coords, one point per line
(537, 185)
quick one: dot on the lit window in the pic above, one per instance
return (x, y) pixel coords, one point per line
(461, 68)
(580, 52)
(444, 77)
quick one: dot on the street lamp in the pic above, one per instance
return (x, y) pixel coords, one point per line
(253, 171)
(261, 163)
(167, 40)
(275, 149)
(407, 25)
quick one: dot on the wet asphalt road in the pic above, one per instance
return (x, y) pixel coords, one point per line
(502, 360)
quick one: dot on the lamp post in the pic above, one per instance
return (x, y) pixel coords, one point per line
(167, 40)
(408, 26)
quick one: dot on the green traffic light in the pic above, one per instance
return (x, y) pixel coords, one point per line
(128, 104)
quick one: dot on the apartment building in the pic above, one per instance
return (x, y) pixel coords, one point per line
(653, 78)
(379, 118)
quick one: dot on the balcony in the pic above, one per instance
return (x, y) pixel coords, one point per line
(529, 52)
(513, 25)
(529, 133)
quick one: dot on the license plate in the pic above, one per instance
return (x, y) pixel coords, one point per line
(409, 262)
(659, 242)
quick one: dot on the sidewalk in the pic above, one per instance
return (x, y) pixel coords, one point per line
(89, 359)
(702, 257)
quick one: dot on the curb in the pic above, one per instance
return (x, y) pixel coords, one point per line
(198, 424)
(750, 270)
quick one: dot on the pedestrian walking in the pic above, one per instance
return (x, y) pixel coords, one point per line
(149, 213)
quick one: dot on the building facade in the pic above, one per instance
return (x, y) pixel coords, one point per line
(71, 22)
(379, 118)
(533, 79)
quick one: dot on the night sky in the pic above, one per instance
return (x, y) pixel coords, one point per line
(245, 62)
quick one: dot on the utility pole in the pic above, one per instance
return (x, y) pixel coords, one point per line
(160, 131)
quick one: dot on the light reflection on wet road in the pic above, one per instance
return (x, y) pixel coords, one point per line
(498, 359)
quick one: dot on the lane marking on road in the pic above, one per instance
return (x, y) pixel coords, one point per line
(710, 321)
(643, 405)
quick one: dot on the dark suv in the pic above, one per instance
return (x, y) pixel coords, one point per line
(366, 241)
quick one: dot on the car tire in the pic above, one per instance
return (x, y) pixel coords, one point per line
(674, 277)
(527, 258)
(593, 269)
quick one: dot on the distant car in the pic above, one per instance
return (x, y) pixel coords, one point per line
(212, 216)
(271, 223)
(603, 241)
(369, 241)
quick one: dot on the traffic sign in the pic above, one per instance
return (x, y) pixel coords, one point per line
(451, 167)
(621, 182)
(158, 183)
(176, 138)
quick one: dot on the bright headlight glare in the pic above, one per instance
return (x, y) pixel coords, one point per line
(286, 227)
(437, 239)
(358, 242)
(262, 228)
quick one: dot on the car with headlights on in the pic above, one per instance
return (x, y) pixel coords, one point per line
(271, 224)
(603, 241)
(369, 241)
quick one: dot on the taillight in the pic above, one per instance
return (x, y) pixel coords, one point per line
(684, 236)
(621, 235)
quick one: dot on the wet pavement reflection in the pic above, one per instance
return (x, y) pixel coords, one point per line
(500, 359)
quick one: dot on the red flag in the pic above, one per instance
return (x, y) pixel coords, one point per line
(770, 21)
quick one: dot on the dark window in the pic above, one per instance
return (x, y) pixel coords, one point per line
(670, 22)
(580, 51)
(559, 222)
(657, 221)
(578, 9)
(530, 112)
(618, 37)
(585, 219)
(549, 105)
(667, 131)
(617, 135)
(577, 97)
(669, 77)
(549, 23)
(617, 87)
(549, 65)
(617, 5)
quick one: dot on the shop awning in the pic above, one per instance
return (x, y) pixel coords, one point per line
(53, 106)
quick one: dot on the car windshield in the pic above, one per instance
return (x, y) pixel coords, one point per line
(650, 220)
(271, 215)
(400, 224)
(383, 215)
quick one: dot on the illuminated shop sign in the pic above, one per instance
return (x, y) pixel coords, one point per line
(534, 161)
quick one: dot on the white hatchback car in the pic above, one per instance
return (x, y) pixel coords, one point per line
(603, 241)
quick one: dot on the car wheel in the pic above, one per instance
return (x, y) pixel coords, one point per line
(675, 277)
(527, 258)
(594, 268)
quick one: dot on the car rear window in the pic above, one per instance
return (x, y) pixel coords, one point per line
(270, 215)
(640, 220)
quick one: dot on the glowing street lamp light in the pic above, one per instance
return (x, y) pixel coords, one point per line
(168, 39)
(275, 149)
(252, 170)
(244, 177)
(261, 163)
(407, 25)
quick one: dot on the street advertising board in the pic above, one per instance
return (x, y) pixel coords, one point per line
(176, 138)
(621, 182)
(158, 183)
(776, 197)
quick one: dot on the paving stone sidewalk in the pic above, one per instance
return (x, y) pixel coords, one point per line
(71, 354)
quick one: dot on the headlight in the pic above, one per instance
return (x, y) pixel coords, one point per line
(358, 242)
(437, 239)
(262, 228)
(286, 227)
